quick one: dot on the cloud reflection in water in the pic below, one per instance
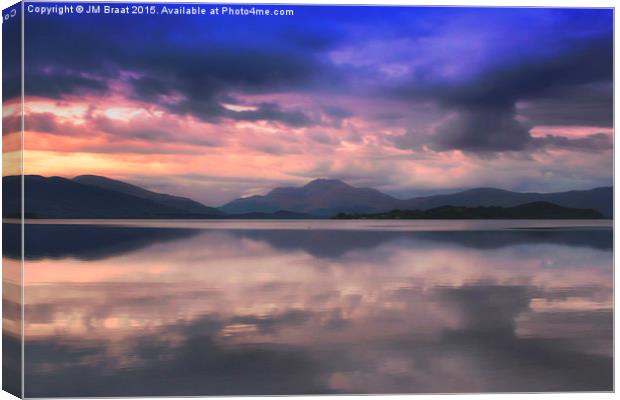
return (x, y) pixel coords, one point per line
(320, 311)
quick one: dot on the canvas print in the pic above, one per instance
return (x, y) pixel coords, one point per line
(207, 199)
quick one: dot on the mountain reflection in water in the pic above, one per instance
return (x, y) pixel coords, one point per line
(137, 311)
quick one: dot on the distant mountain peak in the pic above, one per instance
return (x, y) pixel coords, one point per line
(320, 197)
(326, 183)
(92, 176)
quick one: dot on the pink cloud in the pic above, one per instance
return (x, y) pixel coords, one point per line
(353, 138)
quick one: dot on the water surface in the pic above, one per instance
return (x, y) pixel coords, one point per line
(297, 307)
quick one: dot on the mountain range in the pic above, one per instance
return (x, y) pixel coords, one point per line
(90, 196)
(94, 197)
(328, 197)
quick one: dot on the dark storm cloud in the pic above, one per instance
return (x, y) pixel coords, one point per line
(199, 63)
(489, 130)
(485, 106)
(192, 68)
(594, 142)
(200, 78)
(583, 62)
(579, 105)
(481, 130)
(272, 112)
(55, 84)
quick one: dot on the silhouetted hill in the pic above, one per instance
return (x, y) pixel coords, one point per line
(56, 197)
(600, 199)
(180, 203)
(536, 210)
(321, 197)
(90, 196)
(328, 197)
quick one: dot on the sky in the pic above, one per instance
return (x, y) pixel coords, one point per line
(410, 101)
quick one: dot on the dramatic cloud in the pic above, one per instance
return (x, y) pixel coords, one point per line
(482, 130)
(272, 112)
(197, 64)
(486, 105)
(579, 105)
(594, 142)
(404, 99)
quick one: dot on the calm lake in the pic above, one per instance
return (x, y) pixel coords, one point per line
(128, 308)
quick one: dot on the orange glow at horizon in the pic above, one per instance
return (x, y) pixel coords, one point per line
(123, 138)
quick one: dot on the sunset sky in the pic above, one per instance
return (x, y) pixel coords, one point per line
(409, 101)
